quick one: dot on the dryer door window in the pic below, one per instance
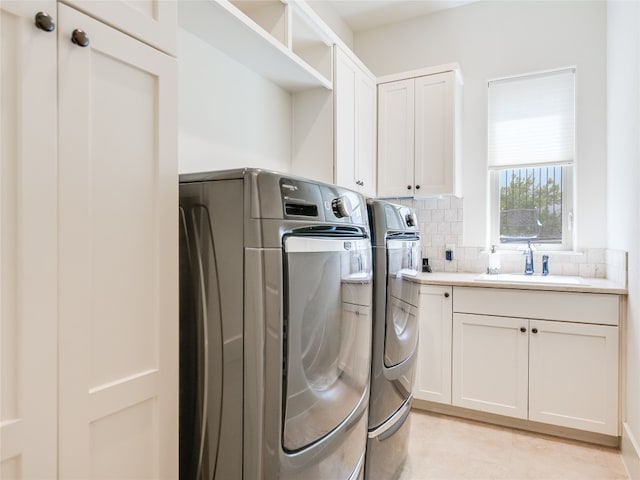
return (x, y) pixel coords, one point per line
(327, 334)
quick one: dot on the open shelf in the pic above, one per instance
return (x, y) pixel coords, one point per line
(309, 41)
(260, 35)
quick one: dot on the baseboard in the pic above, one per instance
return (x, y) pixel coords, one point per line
(537, 427)
(630, 453)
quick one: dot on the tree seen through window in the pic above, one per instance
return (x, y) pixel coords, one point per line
(531, 205)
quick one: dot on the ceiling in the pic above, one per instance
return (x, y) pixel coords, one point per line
(365, 14)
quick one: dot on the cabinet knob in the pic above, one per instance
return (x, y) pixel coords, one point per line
(44, 22)
(534, 330)
(408, 187)
(522, 329)
(80, 38)
(446, 294)
(417, 187)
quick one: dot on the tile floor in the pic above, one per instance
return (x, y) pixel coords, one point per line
(449, 448)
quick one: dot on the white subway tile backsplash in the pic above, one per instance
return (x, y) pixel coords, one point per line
(587, 270)
(567, 269)
(424, 215)
(437, 215)
(451, 215)
(430, 204)
(451, 266)
(444, 203)
(596, 255)
(444, 227)
(437, 239)
(440, 221)
(453, 239)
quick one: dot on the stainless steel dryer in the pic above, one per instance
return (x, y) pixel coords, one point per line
(275, 303)
(396, 246)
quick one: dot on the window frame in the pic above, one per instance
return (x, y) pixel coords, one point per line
(568, 189)
(568, 181)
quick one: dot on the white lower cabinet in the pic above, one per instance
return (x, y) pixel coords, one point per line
(490, 356)
(562, 373)
(573, 375)
(433, 373)
(541, 356)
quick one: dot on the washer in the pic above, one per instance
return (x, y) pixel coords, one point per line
(275, 315)
(396, 246)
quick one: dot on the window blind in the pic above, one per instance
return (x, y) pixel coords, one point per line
(532, 120)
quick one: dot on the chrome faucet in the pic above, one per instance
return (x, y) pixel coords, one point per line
(528, 259)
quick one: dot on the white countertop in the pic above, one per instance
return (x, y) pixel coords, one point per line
(588, 285)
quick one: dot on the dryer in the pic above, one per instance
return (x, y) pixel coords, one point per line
(396, 246)
(275, 315)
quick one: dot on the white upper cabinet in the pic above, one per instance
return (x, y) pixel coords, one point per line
(355, 134)
(285, 42)
(419, 133)
(395, 139)
(152, 21)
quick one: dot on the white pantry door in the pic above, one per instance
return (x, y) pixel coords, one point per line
(152, 21)
(27, 243)
(118, 255)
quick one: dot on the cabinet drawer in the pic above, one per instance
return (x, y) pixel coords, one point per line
(597, 308)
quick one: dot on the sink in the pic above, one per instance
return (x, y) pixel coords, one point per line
(531, 279)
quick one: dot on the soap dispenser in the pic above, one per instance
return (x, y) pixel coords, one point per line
(528, 259)
(494, 261)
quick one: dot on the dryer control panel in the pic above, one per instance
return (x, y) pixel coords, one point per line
(325, 203)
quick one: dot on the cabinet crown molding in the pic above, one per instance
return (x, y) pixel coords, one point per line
(421, 72)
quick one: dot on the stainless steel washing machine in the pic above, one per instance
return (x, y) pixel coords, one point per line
(396, 246)
(275, 315)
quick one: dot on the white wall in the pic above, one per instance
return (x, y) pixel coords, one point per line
(333, 20)
(623, 200)
(229, 116)
(492, 39)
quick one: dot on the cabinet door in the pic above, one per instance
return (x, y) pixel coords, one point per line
(355, 126)
(490, 362)
(118, 315)
(433, 376)
(434, 134)
(573, 371)
(395, 139)
(152, 21)
(345, 121)
(28, 235)
(366, 133)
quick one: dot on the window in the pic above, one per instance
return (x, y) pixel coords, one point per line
(531, 154)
